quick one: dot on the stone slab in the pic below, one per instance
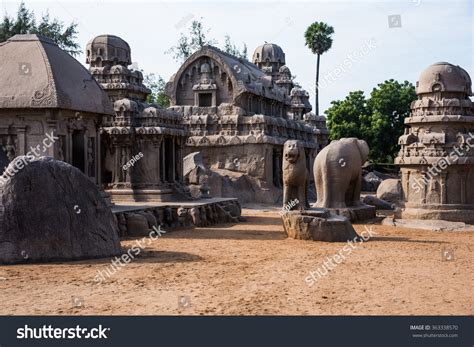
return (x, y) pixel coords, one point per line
(355, 214)
(318, 225)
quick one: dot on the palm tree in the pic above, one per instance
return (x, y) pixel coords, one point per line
(318, 39)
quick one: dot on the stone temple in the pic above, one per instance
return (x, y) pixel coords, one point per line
(240, 113)
(137, 129)
(437, 155)
(45, 91)
(99, 122)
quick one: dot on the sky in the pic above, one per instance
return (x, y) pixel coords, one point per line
(373, 41)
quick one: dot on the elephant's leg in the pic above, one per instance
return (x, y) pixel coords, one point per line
(349, 196)
(357, 189)
(338, 195)
(321, 192)
(357, 184)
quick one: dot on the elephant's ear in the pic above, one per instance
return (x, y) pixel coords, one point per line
(363, 150)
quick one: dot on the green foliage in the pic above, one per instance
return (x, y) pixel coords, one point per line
(231, 48)
(347, 118)
(196, 38)
(25, 23)
(318, 37)
(157, 86)
(379, 119)
(390, 105)
(190, 43)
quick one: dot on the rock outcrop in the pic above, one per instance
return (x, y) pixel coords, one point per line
(52, 211)
(390, 190)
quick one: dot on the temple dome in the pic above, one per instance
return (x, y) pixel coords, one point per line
(268, 52)
(108, 49)
(36, 73)
(444, 77)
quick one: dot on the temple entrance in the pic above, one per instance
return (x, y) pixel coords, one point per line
(205, 99)
(78, 149)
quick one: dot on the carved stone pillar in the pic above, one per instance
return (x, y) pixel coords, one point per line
(173, 176)
(444, 194)
(21, 136)
(424, 187)
(163, 160)
(463, 179)
(68, 158)
(52, 129)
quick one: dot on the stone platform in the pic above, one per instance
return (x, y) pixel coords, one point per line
(355, 213)
(453, 213)
(138, 219)
(318, 225)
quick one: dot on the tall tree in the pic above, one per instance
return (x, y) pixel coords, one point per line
(319, 40)
(25, 23)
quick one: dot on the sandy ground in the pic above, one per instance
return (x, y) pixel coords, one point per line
(251, 269)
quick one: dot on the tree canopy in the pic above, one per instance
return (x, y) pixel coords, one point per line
(25, 23)
(196, 38)
(378, 119)
(157, 86)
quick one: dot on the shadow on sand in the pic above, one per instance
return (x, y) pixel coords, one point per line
(402, 239)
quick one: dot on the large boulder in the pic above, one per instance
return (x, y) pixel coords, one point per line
(52, 211)
(390, 190)
(370, 182)
(193, 167)
(378, 203)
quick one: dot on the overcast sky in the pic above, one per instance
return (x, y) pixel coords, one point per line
(368, 48)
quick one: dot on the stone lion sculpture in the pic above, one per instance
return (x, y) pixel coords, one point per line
(295, 175)
(337, 173)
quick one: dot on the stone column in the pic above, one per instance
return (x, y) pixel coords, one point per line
(463, 177)
(174, 160)
(163, 159)
(406, 184)
(442, 181)
(115, 171)
(424, 187)
(52, 128)
(98, 166)
(157, 149)
(21, 149)
(68, 154)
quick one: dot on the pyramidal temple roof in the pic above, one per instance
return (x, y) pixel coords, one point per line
(36, 73)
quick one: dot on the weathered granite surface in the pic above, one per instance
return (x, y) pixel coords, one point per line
(318, 225)
(436, 158)
(338, 176)
(52, 211)
(295, 175)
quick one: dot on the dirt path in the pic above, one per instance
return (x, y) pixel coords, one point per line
(251, 268)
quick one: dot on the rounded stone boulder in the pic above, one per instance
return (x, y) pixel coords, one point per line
(390, 190)
(52, 211)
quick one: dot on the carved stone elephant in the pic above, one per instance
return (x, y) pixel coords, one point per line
(295, 175)
(338, 173)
